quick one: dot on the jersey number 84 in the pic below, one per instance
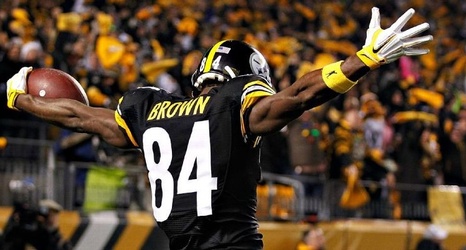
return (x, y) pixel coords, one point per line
(198, 150)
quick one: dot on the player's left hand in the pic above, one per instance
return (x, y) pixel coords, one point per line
(16, 86)
(383, 46)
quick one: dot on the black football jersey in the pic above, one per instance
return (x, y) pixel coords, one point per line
(203, 163)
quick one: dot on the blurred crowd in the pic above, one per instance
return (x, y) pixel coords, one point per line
(404, 123)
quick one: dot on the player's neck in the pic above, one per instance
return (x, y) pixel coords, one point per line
(206, 90)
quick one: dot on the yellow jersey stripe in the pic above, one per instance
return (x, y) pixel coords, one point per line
(250, 101)
(123, 124)
(210, 57)
(253, 91)
(260, 83)
(251, 98)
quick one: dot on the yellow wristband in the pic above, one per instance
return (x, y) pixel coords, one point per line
(335, 79)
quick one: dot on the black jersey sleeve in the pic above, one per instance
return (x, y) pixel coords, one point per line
(255, 89)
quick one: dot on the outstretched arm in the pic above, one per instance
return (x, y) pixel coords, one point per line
(274, 112)
(314, 88)
(76, 116)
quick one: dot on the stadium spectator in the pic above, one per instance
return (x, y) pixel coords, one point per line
(346, 162)
(454, 150)
(307, 139)
(417, 163)
(77, 147)
(10, 60)
(10, 63)
(378, 167)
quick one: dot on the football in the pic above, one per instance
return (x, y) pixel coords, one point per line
(54, 83)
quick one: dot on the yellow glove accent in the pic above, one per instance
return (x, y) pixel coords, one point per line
(368, 56)
(12, 95)
(16, 86)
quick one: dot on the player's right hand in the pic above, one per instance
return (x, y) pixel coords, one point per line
(16, 86)
(383, 46)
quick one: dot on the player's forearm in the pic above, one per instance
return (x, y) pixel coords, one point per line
(320, 86)
(61, 112)
(354, 68)
(75, 116)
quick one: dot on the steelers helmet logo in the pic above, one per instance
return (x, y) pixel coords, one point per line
(259, 65)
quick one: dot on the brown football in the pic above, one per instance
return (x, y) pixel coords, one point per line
(54, 83)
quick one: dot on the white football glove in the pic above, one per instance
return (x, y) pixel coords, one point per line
(385, 46)
(16, 86)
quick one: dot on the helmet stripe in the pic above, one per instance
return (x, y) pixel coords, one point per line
(210, 56)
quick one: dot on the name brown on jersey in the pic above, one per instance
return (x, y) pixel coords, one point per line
(168, 109)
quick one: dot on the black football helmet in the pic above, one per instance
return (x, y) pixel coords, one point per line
(229, 59)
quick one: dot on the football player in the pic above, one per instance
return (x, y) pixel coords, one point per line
(202, 152)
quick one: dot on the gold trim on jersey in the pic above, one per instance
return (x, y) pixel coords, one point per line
(210, 56)
(121, 122)
(168, 109)
(265, 86)
(252, 92)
